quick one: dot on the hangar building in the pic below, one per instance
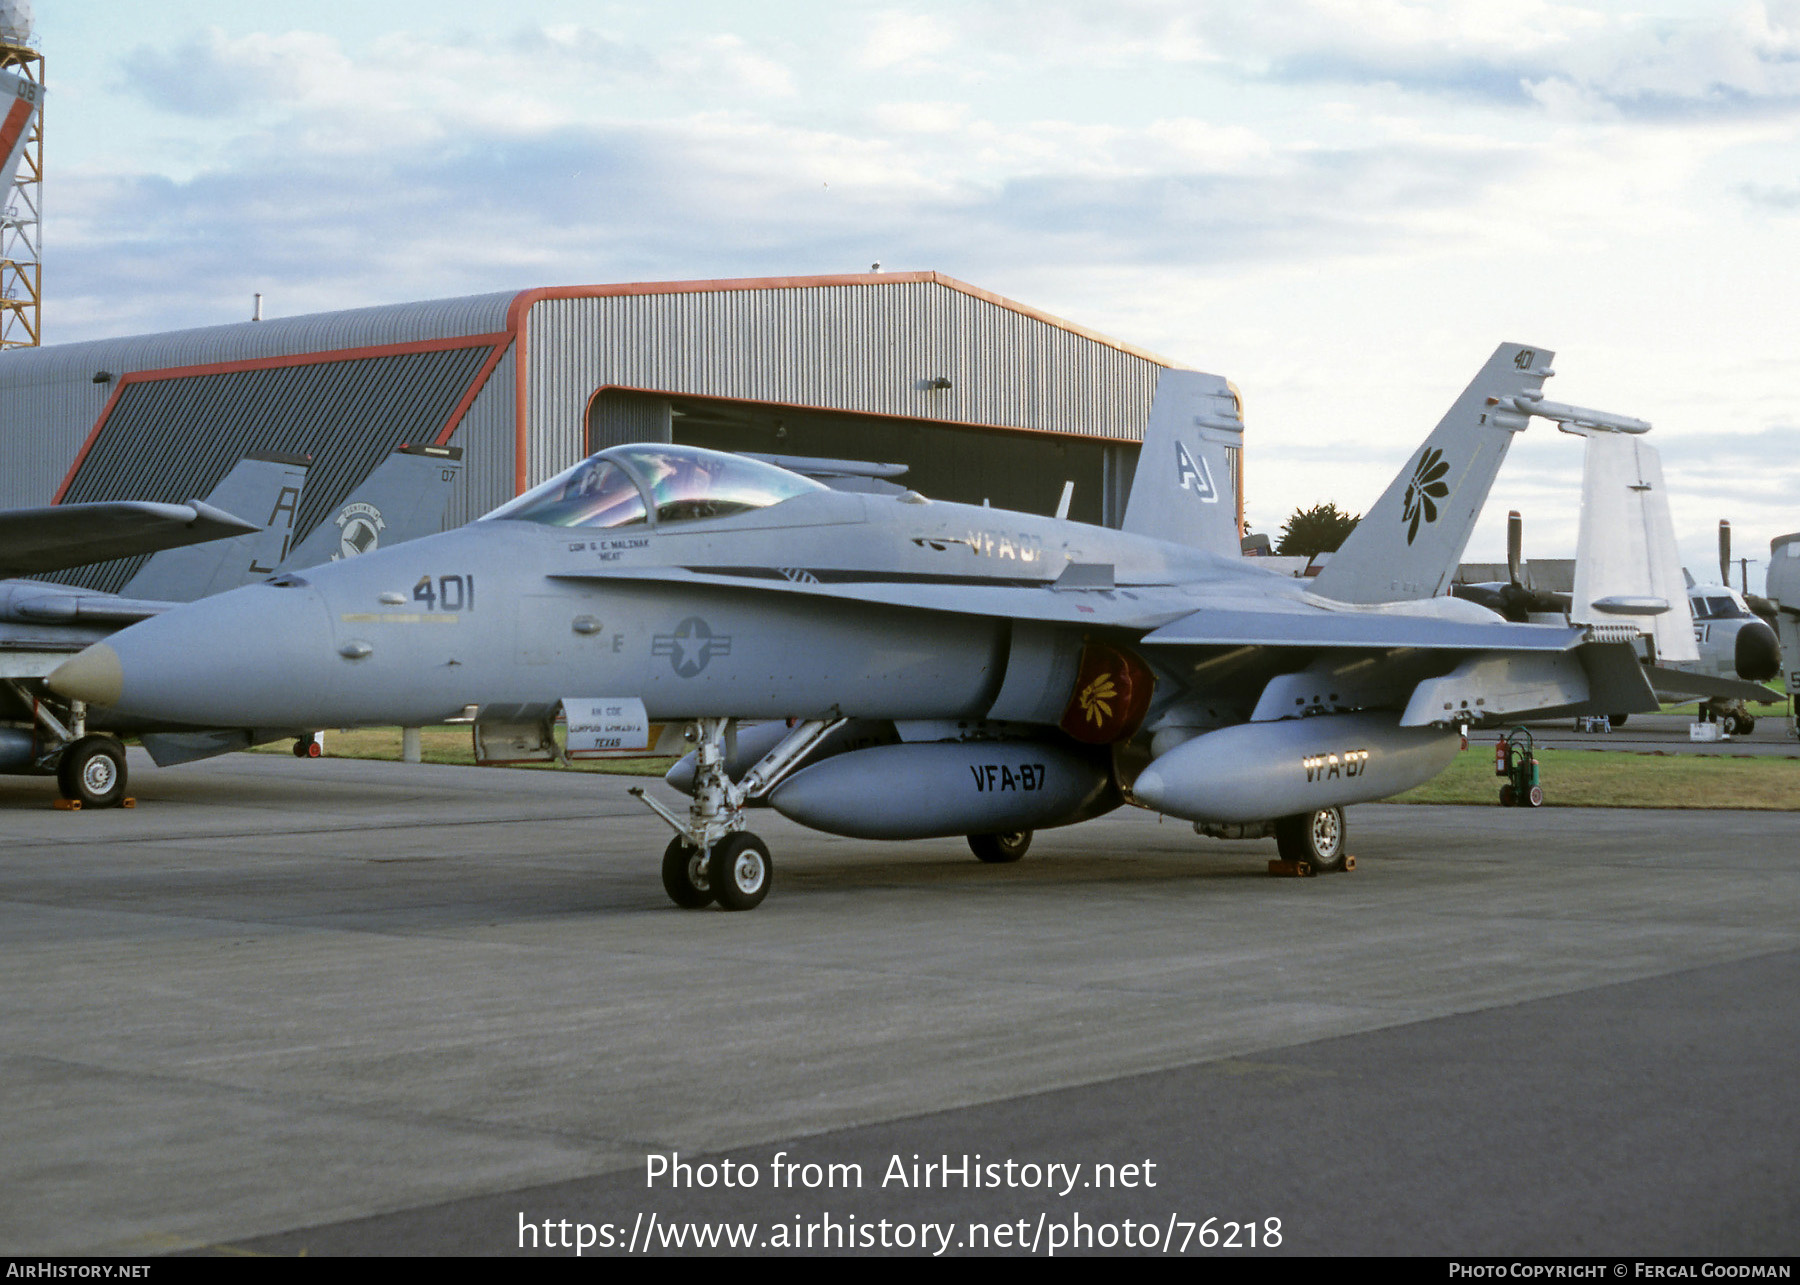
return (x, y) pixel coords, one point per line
(983, 398)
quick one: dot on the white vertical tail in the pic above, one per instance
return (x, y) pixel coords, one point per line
(1626, 551)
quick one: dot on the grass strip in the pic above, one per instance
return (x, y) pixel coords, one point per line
(1620, 779)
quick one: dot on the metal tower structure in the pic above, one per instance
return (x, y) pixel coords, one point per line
(21, 219)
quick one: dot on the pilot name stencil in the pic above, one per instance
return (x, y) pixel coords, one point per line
(691, 647)
(609, 550)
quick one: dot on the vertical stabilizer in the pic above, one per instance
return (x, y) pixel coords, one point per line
(1185, 488)
(1626, 554)
(403, 499)
(1408, 545)
(264, 489)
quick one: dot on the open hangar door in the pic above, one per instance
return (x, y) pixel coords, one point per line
(1008, 468)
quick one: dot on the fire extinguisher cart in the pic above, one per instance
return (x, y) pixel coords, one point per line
(1514, 760)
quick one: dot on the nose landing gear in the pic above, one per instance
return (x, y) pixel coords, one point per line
(712, 857)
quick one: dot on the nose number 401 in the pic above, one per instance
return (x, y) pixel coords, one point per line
(446, 593)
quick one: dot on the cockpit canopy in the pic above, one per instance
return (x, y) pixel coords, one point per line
(1717, 603)
(654, 483)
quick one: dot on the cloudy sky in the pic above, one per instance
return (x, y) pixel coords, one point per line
(1342, 205)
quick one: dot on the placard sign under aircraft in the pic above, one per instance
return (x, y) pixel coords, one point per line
(603, 726)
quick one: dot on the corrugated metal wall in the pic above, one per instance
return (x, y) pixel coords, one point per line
(873, 348)
(488, 441)
(174, 439)
(49, 402)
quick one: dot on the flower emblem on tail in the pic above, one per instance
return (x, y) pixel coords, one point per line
(1424, 491)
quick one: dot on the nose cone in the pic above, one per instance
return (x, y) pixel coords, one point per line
(93, 676)
(1758, 652)
(1150, 789)
(241, 659)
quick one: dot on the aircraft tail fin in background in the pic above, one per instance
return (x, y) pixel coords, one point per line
(263, 488)
(1783, 585)
(1408, 545)
(1185, 488)
(1625, 555)
(402, 499)
(20, 100)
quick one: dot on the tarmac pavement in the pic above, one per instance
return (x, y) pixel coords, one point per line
(333, 1005)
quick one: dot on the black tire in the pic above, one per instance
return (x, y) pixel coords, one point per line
(1506, 796)
(684, 875)
(1617, 720)
(93, 771)
(999, 849)
(1316, 838)
(1748, 725)
(1733, 725)
(740, 871)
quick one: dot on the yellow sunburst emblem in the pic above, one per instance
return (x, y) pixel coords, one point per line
(1094, 698)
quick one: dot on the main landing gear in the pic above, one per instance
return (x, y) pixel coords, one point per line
(1000, 849)
(712, 857)
(1313, 838)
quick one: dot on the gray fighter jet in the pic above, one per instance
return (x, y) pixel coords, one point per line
(926, 668)
(43, 623)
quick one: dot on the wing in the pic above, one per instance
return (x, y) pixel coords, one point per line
(73, 535)
(1133, 607)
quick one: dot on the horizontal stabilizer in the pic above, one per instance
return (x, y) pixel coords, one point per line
(1679, 683)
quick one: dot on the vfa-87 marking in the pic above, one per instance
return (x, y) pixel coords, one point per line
(991, 778)
(1329, 767)
(828, 662)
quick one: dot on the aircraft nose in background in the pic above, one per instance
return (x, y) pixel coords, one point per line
(94, 676)
(1758, 654)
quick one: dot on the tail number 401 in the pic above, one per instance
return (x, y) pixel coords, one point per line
(446, 593)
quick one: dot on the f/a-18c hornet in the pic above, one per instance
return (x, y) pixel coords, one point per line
(925, 668)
